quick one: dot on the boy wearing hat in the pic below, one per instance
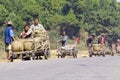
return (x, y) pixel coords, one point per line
(8, 38)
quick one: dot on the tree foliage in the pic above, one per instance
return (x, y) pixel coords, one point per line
(70, 15)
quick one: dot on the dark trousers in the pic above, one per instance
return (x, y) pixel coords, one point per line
(63, 43)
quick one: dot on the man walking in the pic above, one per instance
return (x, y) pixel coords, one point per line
(8, 39)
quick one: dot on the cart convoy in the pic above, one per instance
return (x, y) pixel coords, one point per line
(34, 43)
(97, 46)
(39, 45)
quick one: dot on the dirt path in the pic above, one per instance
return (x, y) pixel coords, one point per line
(53, 54)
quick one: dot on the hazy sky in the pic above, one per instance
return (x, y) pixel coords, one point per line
(118, 0)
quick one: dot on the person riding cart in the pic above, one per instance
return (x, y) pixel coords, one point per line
(95, 48)
(63, 38)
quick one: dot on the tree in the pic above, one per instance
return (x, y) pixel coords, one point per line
(3, 14)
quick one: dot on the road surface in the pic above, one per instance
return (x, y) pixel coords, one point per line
(95, 68)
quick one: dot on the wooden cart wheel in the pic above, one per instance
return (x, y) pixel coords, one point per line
(33, 56)
(103, 53)
(63, 55)
(58, 55)
(46, 54)
(90, 53)
(74, 54)
(112, 53)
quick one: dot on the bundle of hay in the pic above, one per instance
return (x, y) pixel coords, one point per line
(96, 47)
(40, 40)
(40, 33)
(17, 46)
(28, 45)
(37, 42)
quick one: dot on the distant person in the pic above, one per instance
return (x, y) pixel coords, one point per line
(92, 40)
(118, 46)
(63, 38)
(8, 38)
(35, 27)
(102, 40)
(88, 41)
(23, 35)
(118, 41)
(77, 40)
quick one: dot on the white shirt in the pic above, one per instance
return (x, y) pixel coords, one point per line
(34, 28)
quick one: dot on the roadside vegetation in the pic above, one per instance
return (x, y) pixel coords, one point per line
(76, 17)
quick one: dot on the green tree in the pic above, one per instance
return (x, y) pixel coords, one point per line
(3, 14)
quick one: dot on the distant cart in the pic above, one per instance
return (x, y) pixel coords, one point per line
(96, 49)
(115, 49)
(68, 50)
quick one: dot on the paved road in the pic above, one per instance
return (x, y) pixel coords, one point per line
(96, 68)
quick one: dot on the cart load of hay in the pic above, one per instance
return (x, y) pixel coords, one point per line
(96, 47)
(40, 41)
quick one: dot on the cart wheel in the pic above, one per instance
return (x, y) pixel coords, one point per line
(26, 56)
(58, 56)
(46, 54)
(103, 54)
(75, 54)
(22, 57)
(112, 53)
(11, 59)
(33, 56)
(63, 55)
(90, 54)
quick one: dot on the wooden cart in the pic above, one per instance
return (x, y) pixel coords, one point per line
(69, 50)
(96, 49)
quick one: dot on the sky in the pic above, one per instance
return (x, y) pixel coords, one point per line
(118, 0)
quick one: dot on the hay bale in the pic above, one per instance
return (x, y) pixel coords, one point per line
(96, 47)
(17, 46)
(40, 33)
(37, 39)
(28, 45)
(37, 42)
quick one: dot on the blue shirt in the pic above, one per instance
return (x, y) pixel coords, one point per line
(11, 33)
(8, 35)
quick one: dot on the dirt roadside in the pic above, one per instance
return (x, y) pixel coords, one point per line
(53, 55)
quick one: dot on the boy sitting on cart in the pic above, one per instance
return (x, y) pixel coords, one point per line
(23, 35)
